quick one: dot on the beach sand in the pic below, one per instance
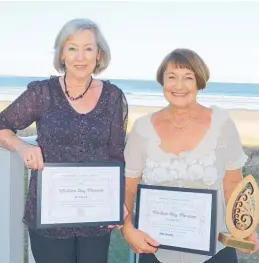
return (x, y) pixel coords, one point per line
(247, 122)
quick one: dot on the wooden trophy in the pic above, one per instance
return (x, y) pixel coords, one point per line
(242, 215)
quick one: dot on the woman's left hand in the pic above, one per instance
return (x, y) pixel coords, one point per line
(126, 212)
(253, 237)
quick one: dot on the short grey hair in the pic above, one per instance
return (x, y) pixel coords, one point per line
(72, 27)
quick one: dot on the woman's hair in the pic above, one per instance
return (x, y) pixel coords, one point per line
(185, 58)
(71, 28)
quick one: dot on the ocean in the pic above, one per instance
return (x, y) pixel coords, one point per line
(149, 93)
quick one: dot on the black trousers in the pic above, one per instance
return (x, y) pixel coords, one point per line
(226, 255)
(71, 250)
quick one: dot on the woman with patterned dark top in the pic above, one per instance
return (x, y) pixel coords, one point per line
(78, 119)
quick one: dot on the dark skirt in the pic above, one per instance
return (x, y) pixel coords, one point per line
(77, 249)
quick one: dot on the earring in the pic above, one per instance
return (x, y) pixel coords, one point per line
(63, 63)
(97, 64)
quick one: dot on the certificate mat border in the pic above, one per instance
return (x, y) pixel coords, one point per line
(39, 225)
(213, 193)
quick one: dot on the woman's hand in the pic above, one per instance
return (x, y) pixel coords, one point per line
(253, 237)
(139, 241)
(32, 157)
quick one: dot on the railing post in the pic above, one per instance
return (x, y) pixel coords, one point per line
(11, 207)
(30, 140)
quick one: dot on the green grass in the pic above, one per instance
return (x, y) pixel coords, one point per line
(119, 251)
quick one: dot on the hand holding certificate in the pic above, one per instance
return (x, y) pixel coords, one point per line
(178, 218)
(80, 195)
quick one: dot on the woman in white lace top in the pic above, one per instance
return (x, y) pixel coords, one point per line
(185, 145)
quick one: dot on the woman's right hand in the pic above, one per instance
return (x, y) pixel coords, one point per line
(32, 157)
(139, 241)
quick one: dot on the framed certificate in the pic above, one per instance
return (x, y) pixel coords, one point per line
(80, 194)
(179, 219)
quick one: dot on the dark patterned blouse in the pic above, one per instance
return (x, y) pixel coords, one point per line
(64, 135)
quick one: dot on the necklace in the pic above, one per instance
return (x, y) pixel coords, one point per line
(183, 126)
(79, 96)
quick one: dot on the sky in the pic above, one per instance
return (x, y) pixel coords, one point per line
(140, 34)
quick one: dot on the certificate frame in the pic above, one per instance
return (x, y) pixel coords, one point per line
(78, 166)
(213, 211)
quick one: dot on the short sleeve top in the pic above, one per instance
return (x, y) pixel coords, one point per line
(202, 167)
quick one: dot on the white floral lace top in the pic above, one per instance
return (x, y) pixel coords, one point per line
(202, 167)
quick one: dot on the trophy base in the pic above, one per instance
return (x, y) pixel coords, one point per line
(231, 241)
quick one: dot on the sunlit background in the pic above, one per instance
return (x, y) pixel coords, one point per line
(140, 34)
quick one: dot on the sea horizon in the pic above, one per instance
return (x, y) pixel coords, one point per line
(144, 92)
